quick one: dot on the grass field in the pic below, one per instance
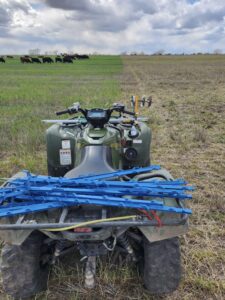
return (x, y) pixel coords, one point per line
(30, 93)
(187, 119)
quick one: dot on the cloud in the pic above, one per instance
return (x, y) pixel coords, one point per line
(112, 16)
(71, 5)
(9, 12)
(202, 13)
(112, 26)
(4, 17)
(99, 6)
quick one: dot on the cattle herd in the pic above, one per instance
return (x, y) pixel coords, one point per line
(63, 58)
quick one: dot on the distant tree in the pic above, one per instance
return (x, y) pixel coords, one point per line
(34, 51)
(51, 52)
(159, 52)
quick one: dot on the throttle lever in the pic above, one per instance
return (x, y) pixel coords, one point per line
(75, 108)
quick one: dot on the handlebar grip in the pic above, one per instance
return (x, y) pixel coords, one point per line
(58, 113)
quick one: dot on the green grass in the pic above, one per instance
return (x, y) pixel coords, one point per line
(32, 92)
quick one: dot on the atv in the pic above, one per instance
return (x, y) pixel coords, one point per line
(94, 141)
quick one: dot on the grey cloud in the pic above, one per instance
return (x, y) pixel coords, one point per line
(5, 21)
(199, 20)
(115, 15)
(94, 15)
(8, 8)
(106, 16)
(147, 7)
(215, 34)
(84, 5)
(4, 17)
(110, 22)
(18, 5)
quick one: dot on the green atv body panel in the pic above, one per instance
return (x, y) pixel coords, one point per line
(68, 141)
(55, 135)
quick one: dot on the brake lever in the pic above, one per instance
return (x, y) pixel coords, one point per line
(75, 108)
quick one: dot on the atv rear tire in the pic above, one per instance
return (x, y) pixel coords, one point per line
(162, 266)
(22, 273)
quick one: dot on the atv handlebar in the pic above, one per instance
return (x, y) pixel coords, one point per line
(76, 108)
(118, 107)
(62, 112)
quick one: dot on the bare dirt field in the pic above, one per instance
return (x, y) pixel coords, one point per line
(188, 123)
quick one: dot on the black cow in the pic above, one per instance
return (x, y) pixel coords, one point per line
(84, 56)
(58, 59)
(10, 56)
(35, 60)
(25, 60)
(67, 59)
(71, 56)
(47, 59)
(2, 60)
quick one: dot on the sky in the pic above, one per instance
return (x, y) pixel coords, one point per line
(112, 26)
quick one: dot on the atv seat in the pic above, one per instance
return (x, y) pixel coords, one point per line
(94, 160)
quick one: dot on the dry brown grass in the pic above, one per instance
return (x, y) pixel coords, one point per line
(187, 119)
(188, 123)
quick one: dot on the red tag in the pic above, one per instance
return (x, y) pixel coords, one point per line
(83, 229)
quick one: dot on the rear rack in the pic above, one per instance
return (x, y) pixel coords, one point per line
(133, 223)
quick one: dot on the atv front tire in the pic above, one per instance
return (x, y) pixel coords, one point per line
(162, 266)
(22, 273)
